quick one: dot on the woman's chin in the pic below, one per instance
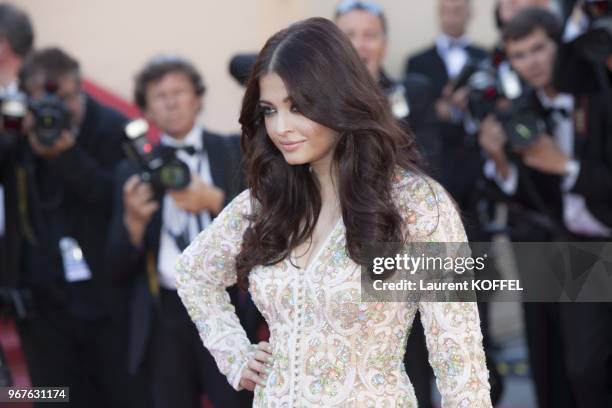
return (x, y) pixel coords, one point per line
(293, 160)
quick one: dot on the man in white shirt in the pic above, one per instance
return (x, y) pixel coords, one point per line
(153, 225)
(565, 176)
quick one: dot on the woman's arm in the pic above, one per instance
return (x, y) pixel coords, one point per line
(452, 329)
(205, 270)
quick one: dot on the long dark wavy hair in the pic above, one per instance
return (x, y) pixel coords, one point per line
(329, 83)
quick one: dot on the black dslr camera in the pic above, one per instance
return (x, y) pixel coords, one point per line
(158, 165)
(498, 91)
(50, 114)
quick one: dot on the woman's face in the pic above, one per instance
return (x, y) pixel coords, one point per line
(298, 138)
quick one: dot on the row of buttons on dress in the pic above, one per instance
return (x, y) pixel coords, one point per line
(298, 337)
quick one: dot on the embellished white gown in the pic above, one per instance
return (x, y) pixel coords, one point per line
(329, 349)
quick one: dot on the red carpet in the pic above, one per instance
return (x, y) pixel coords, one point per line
(16, 360)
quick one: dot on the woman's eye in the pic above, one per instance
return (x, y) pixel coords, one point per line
(267, 111)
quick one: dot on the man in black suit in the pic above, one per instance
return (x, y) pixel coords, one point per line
(71, 326)
(152, 225)
(565, 177)
(457, 164)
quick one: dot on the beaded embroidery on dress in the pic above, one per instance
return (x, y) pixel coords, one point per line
(329, 349)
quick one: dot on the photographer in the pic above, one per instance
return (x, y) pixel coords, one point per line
(154, 221)
(16, 39)
(564, 177)
(72, 321)
(458, 160)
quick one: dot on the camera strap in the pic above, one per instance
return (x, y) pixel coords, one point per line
(184, 237)
(23, 207)
(152, 279)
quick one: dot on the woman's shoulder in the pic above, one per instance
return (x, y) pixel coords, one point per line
(419, 189)
(422, 202)
(238, 209)
(242, 200)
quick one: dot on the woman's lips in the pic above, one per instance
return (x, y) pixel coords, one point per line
(291, 146)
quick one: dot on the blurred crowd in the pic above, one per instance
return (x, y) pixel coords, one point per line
(93, 213)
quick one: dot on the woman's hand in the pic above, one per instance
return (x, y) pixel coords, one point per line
(258, 367)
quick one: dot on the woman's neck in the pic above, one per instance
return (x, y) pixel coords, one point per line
(328, 186)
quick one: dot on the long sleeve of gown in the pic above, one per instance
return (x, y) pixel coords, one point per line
(452, 329)
(204, 271)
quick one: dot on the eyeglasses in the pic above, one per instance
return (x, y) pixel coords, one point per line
(349, 5)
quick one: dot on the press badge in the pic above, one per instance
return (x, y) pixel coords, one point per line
(398, 102)
(75, 267)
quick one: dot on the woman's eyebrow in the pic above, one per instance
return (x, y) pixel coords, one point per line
(263, 101)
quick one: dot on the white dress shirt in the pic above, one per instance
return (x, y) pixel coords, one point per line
(453, 52)
(10, 89)
(176, 221)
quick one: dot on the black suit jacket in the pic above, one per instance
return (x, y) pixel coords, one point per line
(457, 165)
(10, 241)
(129, 263)
(421, 120)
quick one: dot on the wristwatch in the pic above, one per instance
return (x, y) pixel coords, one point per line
(572, 167)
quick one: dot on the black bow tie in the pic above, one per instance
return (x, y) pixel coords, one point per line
(191, 150)
(456, 44)
(561, 111)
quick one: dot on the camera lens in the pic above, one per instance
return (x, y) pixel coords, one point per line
(175, 175)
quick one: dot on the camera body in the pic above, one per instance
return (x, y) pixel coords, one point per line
(51, 116)
(497, 90)
(158, 165)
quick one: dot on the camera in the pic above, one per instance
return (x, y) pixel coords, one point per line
(158, 165)
(498, 90)
(50, 115)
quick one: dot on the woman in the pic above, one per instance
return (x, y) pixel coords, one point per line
(329, 170)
